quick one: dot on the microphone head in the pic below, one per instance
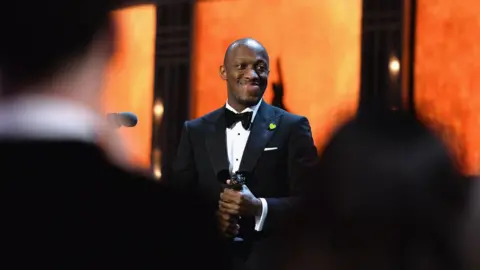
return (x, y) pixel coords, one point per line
(127, 119)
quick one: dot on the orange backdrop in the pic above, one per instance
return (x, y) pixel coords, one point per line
(130, 78)
(318, 43)
(447, 68)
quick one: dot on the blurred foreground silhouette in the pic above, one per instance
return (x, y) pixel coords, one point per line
(387, 195)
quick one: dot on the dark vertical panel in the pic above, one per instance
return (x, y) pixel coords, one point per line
(382, 30)
(172, 78)
(409, 36)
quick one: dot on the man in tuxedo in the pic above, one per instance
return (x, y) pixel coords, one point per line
(274, 149)
(64, 202)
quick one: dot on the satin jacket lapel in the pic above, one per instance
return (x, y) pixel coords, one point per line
(260, 134)
(216, 142)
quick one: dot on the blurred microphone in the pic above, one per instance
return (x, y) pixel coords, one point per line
(122, 119)
(222, 177)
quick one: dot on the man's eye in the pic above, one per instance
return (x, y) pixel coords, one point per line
(262, 68)
(241, 66)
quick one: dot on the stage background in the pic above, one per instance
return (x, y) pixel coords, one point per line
(447, 69)
(130, 78)
(317, 42)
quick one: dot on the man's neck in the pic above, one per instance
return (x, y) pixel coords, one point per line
(240, 108)
(237, 107)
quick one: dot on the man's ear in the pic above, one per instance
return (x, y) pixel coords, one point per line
(223, 72)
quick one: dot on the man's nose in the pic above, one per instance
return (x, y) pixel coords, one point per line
(251, 74)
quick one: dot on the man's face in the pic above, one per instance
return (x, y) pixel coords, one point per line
(246, 72)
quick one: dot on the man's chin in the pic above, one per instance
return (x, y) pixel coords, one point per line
(250, 101)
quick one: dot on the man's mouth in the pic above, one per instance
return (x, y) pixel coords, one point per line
(252, 88)
(250, 83)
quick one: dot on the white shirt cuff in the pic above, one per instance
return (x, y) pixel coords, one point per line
(260, 220)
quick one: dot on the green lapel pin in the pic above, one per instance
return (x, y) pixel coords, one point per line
(272, 126)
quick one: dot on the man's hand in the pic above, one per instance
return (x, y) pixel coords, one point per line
(242, 203)
(228, 224)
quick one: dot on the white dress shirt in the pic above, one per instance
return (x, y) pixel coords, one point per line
(237, 138)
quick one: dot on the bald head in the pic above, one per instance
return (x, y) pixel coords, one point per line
(245, 69)
(246, 42)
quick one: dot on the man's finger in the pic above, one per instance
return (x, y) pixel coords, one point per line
(230, 208)
(224, 216)
(231, 196)
(228, 205)
(229, 211)
(224, 194)
(232, 193)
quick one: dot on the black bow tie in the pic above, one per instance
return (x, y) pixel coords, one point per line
(232, 118)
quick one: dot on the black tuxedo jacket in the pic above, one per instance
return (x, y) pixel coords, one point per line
(64, 205)
(276, 175)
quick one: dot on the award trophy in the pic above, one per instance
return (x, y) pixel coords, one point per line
(237, 180)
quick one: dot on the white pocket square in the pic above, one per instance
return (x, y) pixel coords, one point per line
(270, 148)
